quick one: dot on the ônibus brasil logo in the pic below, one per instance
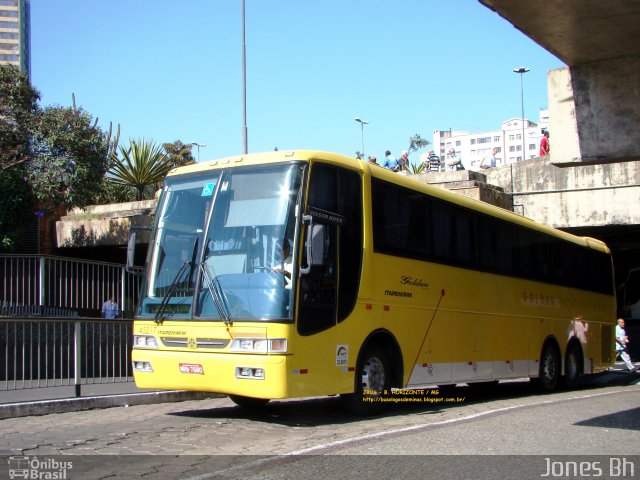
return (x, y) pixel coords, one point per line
(38, 468)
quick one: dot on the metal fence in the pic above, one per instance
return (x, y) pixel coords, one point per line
(34, 284)
(50, 331)
(64, 352)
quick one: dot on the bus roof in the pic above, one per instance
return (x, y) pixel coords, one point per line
(382, 173)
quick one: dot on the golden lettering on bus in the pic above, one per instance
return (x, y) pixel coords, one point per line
(415, 282)
(540, 299)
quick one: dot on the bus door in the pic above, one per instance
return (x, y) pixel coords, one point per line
(317, 303)
(330, 274)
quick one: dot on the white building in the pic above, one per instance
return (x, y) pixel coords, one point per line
(473, 147)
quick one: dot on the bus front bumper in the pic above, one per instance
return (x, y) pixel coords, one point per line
(251, 375)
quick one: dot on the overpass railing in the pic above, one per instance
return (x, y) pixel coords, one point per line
(33, 285)
(54, 352)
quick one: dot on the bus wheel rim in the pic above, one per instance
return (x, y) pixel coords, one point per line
(549, 368)
(373, 374)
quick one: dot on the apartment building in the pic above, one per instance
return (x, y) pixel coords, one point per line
(15, 34)
(509, 141)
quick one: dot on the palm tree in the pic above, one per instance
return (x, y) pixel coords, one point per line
(416, 143)
(142, 164)
(179, 153)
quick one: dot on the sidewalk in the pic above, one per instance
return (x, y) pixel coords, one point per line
(620, 367)
(43, 401)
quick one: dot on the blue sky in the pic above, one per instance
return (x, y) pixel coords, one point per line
(167, 70)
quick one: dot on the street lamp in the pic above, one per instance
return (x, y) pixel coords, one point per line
(196, 144)
(522, 71)
(362, 124)
(244, 88)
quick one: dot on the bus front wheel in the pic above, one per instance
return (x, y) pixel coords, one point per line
(373, 381)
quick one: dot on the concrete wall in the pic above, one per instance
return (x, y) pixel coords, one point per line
(578, 196)
(104, 224)
(594, 112)
(470, 184)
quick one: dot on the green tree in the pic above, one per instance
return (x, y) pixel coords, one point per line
(18, 105)
(69, 157)
(416, 143)
(48, 157)
(111, 192)
(16, 206)
(142, 164)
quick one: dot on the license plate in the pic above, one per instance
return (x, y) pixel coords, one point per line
(191, 368)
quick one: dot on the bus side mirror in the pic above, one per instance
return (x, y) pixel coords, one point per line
(131, 253)
(315, 245)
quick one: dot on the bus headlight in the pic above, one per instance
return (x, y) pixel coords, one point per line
(259, 345)
(144, 341)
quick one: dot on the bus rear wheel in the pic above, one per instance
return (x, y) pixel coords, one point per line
(373, 380)
(549, 369)
(248, 402)
(573, 366)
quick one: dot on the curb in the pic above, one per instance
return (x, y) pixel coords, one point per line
(45, 407)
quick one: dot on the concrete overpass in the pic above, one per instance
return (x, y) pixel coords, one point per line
(594, 103)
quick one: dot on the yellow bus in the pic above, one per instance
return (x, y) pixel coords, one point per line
(388, 283)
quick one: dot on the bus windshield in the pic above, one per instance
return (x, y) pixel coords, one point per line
(223, 246)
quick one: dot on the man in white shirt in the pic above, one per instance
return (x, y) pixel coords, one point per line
(621, 346)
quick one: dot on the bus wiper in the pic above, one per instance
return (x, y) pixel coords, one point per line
(176, 281)
(215, 291)
(172, 288)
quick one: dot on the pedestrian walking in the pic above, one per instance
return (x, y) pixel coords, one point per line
(622, 341)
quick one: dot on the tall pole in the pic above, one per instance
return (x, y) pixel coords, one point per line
(522, 112)
(522, 71)
(362, 124)
(196, 144)
(244, 88)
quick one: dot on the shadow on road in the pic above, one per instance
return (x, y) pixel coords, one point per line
(329, 410)
(625, 420)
